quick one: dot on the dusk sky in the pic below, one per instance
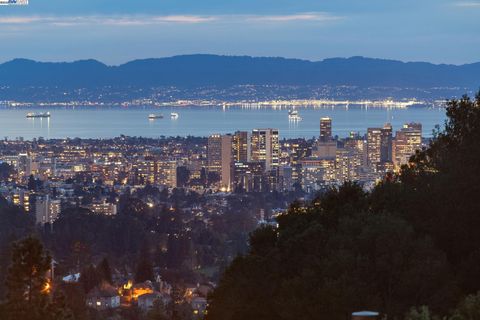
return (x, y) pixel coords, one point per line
(439, 31)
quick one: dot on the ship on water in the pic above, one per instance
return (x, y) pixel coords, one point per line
(38, 115)
(153, 116)
(293, 115)
(174, 115)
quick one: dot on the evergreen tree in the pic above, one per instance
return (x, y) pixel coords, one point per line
(28, 286)
(89, 278)
(104, 271)
(144, 269)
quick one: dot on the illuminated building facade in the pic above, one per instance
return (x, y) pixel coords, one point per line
(266, 147)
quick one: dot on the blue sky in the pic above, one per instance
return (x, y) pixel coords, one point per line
(439, 31)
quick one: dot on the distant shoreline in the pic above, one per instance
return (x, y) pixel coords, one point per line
(277, 104)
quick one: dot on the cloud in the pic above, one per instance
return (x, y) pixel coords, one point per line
(467, 4)
(104, 20)
(19, 20)
(141, 20)
(307, 16)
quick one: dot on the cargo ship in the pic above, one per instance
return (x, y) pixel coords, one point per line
(155, 116)
(38, 115)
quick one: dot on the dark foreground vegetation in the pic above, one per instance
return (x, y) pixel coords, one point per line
(410, 248)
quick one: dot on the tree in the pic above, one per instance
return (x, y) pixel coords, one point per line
(328, 259)
(14, 225)
(104, 271)
(27, 282)
(144, 269)
(441, 187)
(468, 309)
(89, 278)
(422, 313)
(157, 312)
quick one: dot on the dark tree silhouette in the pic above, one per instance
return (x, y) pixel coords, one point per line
(144, 269)
(29, 286)
(104, 271)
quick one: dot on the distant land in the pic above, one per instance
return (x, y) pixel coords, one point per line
(202, 70)
(22, 79)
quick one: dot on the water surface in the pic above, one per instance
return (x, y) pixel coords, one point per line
(107, 122)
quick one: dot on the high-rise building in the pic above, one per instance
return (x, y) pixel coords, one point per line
(241, 146)
(374, 146)
(214, 153)
(348, 163)
(219, 158)
(325, 147)
(249, 176)
(379, 147)
(167, 173)
(21, 198)
(226, 162)
(406, 142)
(266, 147)
(46, 210)
(325, 129)
(386, 143)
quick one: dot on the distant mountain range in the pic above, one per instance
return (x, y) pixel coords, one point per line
(205, 70)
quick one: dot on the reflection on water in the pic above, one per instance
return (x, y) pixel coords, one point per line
(87, 122)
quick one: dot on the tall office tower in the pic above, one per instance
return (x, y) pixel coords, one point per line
(347, 165)
(226, 162)
(406, 142)
(219, 157)
(266, 147)
(326, 147)
(214, 153)
(374, 146)
(386, 143)
(325, 129)
(241, 146)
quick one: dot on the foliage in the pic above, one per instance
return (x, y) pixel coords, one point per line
(157, 312)
(144, 269)
(422, 313)
(28, 285)
(104, 271)
(14, 225)
(468, 309)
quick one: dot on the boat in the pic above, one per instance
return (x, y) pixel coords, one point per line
(294, 115)
(174, 115)
(38, 115)
(153, 116)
